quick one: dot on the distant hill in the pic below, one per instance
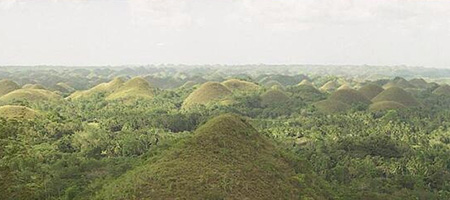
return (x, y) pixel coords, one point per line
(7, 86)
(225, 159)
(207, 93)
(398, 95)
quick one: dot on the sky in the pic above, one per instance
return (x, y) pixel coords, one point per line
(139, 32)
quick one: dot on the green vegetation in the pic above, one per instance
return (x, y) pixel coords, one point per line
(129, 138)
(398, 95)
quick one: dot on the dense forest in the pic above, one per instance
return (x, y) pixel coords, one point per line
(222, 132)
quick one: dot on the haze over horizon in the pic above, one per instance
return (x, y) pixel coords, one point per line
(331, 32)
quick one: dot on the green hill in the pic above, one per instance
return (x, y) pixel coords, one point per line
(33, 86)
(240, 85)
(31, 95)
(386, 105)
(7, 86)
(207, 93)
(398, 95)
(329, 86)
(345, 86)
(307, 92)
(419, 83)
(17, 112)
(443, 90)
(331, 106)
(398, 82)
(226, 158)
(273, 97)
(274, 84)
(134, 88)
(108, 88)
(349, 96)
(64, 88)
(370, 90)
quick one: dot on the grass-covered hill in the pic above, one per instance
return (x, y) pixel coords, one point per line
(63, 87)
(30, 95)
(443, 90)
(108, 88)
(7, 86)
(225, 159)
(240, 85)
(273, 84)
(398, 82)
(349, 96)
(419, 83)
(329, 86)
(386, 105)
(345, 86)
(370, 90)
(331, 106)
(207, 93)
(398, 95)
(273, 97)
(134, 88)
(307, 92)
(17, 112)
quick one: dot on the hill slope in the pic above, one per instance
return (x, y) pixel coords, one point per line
(225, 159)
(331, 106)
(443, 90)
(386, 105)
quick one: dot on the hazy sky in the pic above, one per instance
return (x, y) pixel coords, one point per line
(116, 32)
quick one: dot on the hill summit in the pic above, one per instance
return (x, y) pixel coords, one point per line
(398, 95)
(207, 93)
(134, 88)
(370, 90)
(349, 96)
(225, 159)
(240, 85)
(31, 95)
(109, 87)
